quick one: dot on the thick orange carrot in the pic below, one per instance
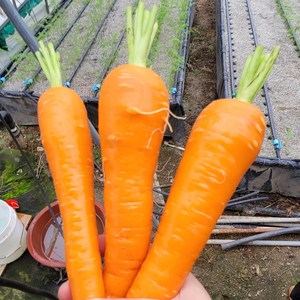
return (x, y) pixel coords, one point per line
(224, 141)
(67, 142)
(133, 113)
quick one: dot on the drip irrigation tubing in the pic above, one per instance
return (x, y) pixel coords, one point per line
(230, 40)
(290, 25)
(61, 39)
(32, 172)
(90, 44)
(233, 85)
(265, 88)
(183, 52)
(222, 77)
(56, 12)
(176, 105)
(96, 88)
(283, 163)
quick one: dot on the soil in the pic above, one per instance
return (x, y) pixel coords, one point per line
(247, 272)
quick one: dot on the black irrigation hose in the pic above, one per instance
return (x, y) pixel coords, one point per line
(13, 65)
(281, 163)
(277, 147)
(183, 52)
(96, 87)
(222, 85)
(179, 79)
(36, 73)
(260, 236)
(90, 44)
(33, 173)
(26, 288)
(290, 25)
(258, 199)
(107, 66)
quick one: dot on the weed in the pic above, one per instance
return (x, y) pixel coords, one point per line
(292, 18)
(289, 134)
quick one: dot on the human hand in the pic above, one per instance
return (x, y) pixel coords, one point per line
(192, 289)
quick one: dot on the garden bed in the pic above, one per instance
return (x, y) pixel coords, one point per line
(90, 37)
(262, 22)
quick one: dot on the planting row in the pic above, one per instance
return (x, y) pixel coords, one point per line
(90, 35)
(247, 24)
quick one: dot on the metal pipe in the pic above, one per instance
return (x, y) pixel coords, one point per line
(259, 236)
(14, 16)
(246, 219)
(257, 243)
(235, 230)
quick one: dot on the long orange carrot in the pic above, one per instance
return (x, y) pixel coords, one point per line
(225, 140)
(133, 111)
(67, 141)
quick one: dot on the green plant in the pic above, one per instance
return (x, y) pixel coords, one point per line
(289, 134)
(166, 19)
(291, 17)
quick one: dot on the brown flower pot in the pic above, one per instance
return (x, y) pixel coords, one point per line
(45, 243)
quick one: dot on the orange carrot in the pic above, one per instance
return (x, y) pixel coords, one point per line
(225, 140)
(66, 138)
(133, 113)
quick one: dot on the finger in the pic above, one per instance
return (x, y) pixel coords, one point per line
(193, 289)
(64, 291)
(102, 243)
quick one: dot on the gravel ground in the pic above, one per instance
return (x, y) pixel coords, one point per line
(283, 90)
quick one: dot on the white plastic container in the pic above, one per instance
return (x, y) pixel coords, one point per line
(12, 234)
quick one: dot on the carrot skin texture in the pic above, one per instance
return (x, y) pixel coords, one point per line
(68, 146)
(225, 140)
(133, 111)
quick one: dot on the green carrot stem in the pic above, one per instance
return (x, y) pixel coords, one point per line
(255, 73)
(50, 63)
(140, 33)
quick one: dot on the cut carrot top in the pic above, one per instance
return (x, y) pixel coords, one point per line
(141, 33)
(256, 70)
(50, 63)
